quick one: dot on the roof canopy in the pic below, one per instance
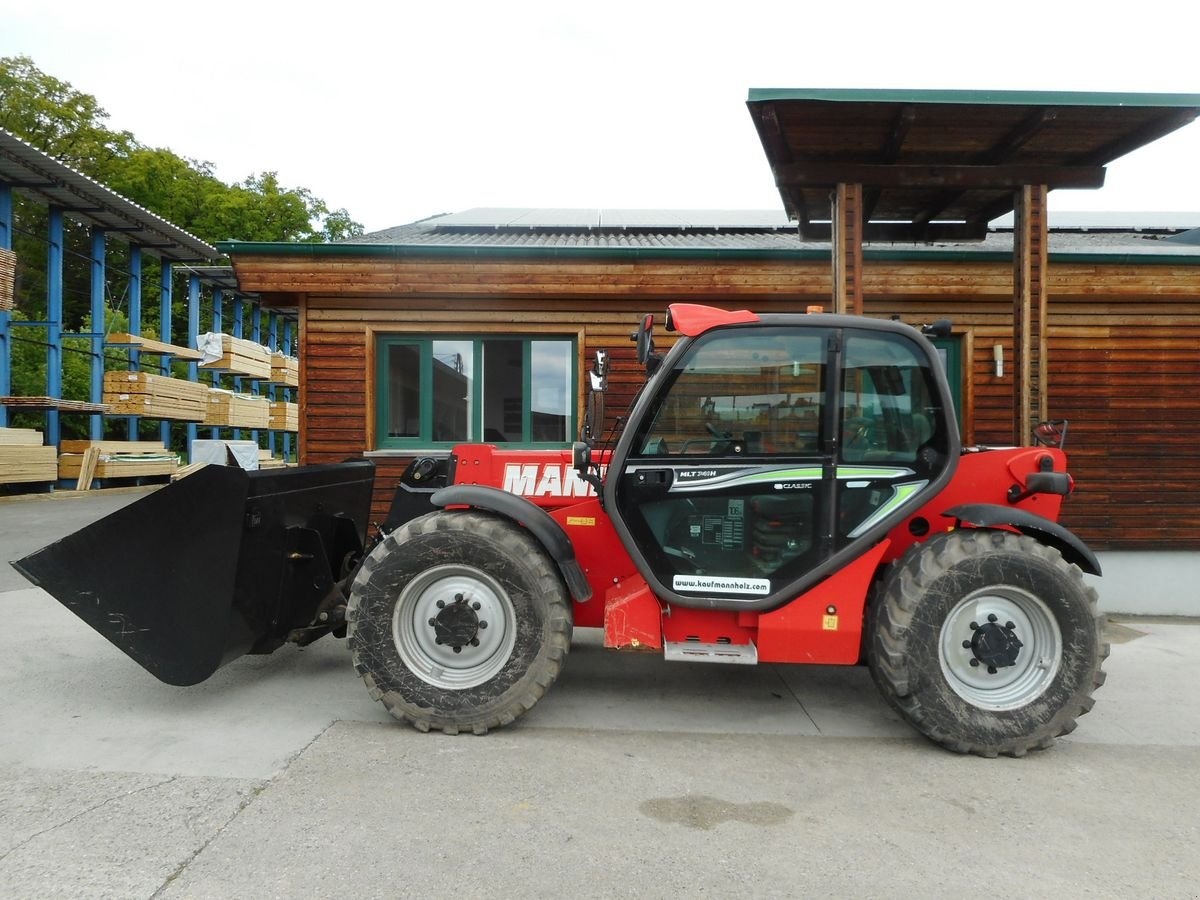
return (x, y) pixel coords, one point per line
(939, 165)
(34, 174)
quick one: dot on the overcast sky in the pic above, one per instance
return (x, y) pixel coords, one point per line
(400, 110)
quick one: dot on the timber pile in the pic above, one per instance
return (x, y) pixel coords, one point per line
(229, 410)
(81, 406)
(225, 353)
(8, 277)
(155, 396)
(114, 459)
(23, 459)
(267, 461)
(285, 370)
(285, 416)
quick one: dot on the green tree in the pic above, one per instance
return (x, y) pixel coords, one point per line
(69, 125)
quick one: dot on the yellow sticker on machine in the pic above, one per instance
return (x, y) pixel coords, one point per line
(829, 623)
(589, 521)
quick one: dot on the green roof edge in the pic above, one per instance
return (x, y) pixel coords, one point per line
(402, 251)
(1018, 98)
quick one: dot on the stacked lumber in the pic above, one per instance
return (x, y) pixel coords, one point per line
(225, 353)
(267, 461)
(155, 396)
(58, 403)
(285, 416)
(115, 459)
(23, 458)
(230, 410)
(285, 369)
(8, 277)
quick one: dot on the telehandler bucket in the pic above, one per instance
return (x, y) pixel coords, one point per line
(221, 563)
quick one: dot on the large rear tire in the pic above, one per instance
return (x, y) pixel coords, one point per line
(458, 621)
(987, 642)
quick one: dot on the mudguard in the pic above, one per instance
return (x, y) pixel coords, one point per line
(532, 517)
(991, 515)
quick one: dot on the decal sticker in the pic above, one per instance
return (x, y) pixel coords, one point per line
(720, 584)
(829, 623)
(587, 521)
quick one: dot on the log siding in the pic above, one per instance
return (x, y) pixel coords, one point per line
(1123, 350)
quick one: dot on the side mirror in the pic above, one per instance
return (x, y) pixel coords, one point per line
(939, 329)
(599, 373)
(644, 337)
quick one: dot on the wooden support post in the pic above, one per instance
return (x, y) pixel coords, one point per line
(1030, 399)
(847, 249)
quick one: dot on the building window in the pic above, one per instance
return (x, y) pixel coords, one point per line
(439, 390)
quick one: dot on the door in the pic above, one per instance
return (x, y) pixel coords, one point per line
(766, 451)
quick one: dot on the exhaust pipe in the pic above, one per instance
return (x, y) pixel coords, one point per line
(218, 564)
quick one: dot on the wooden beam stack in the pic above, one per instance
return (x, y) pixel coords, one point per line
(8, 277)
(267, 461)
(285, 416)
(238, 357)
(155, 396)
(285, 370)
(116, 459)
(229, 410)
(23, 458)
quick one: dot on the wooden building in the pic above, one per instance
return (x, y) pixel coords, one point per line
(887, 202)
(1123, 338)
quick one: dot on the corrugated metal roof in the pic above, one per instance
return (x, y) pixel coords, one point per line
(499, 229)
(32, 173)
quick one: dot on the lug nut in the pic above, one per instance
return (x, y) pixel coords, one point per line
(458, 648)
(1010, 625)
(482, 624)
(966, 644)
(991, 617)
(441, 604)
(432, 622)
(476, 605)
(973, 662)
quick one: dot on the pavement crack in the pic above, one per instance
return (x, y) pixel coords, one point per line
(787, 687)
(84, 812)
(179, 870)
(241, 807)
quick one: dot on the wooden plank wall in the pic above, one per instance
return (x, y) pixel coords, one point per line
(1124, 352)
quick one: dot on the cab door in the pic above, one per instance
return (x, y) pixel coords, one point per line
(762, 454)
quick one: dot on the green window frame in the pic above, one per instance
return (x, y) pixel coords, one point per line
(437, 390)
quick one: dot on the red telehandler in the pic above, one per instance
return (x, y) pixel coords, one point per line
(784, 489)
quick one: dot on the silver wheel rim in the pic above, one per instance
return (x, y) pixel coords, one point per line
(1038, 659)
(416, 639)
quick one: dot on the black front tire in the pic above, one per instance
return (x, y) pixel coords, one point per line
(927, 658)
(458, 621)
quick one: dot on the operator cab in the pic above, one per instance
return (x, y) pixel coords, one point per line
(767, 451)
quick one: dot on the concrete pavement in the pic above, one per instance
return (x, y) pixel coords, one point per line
(279, 777)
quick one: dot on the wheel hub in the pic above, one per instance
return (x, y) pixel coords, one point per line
(994, 645)
(457, 624)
